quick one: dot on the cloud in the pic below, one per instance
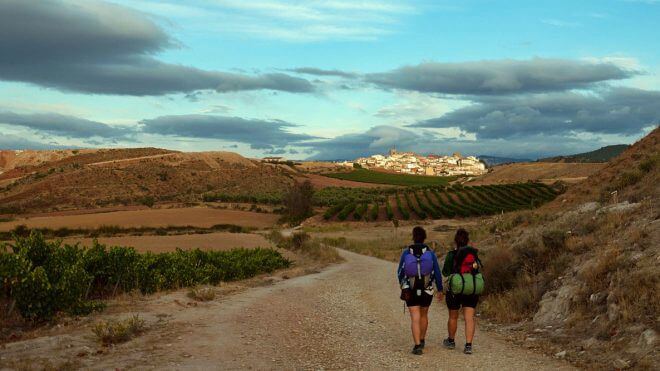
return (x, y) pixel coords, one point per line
(624, 111)
(305, 21)
(559, 23)
(504, 76)
(380, 139)
(96, 47)
(64, 125)
(259, 134)
(322, 72)
(14, 142)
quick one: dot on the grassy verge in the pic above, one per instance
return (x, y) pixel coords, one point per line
(370, 176)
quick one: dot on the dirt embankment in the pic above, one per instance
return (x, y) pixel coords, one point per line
(538, 171)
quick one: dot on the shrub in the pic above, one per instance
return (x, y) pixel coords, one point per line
(298, 202)
(388, 210)
(202, 293)
(500, 269)
(147, 201)
(110, 332)
(554, 240)
(373, 212)
(45, 278)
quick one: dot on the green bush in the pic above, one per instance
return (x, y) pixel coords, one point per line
(44, 278)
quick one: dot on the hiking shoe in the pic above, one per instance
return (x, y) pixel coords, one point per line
(422, 344)
(467, 349)
(417, 350)
(449, 344)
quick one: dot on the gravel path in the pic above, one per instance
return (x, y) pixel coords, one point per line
(346, 317)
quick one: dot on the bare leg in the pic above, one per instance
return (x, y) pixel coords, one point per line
(415, 324)
(452, 323)
(423, 321)
(469, 324)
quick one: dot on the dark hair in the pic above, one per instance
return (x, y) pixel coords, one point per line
(462, 238)
(419, 235)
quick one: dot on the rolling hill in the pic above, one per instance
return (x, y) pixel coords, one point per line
(121, 177)
(602, 154)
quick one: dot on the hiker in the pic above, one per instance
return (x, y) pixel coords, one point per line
(418, 268)
(462, 264)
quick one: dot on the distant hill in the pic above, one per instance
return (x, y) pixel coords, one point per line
(54, 180)
(603, 154)
(494, 160)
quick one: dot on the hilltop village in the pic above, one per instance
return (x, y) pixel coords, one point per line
(433, 165)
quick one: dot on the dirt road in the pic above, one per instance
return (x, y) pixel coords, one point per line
(346, 317)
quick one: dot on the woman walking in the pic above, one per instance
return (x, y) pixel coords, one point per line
(463, 259)
(418, 268)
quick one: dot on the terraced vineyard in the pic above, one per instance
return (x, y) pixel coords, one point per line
(431, 202)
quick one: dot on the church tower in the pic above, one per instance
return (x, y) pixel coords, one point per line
(393, 151)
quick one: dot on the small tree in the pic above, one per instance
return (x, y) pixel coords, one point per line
(298, 202)
(357, 166)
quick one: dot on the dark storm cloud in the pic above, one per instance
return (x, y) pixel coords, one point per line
(63, 125)
(623, 111)
(8, 141)
(378, 139)
(322, 72)
(498, 76)
(259, 134)
(96, 47)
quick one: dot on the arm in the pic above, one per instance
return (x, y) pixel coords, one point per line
(400, 273)
(436, 273)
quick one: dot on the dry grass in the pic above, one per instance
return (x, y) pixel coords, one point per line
(203, 293)
(111, 332)
(383, 248)
(302, 243)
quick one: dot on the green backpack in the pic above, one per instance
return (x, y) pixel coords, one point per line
(471, 283)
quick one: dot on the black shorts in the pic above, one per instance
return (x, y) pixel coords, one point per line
(423, 300)
(455, 302)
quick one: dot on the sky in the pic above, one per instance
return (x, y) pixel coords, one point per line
(329, 79)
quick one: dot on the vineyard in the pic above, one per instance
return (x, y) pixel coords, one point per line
(431, 202)
(41, 278)
(370, 176)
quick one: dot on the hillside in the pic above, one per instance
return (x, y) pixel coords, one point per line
(580, 273)
(537, 171)
(491, 161)
(602, 154)
(92, 179)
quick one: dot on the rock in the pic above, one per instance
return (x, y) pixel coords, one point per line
(621, 364)
(647, 339)
(555, 305)
(598, 298)
(587, 207)
(590, 343)
(561, 355)
(612, 312)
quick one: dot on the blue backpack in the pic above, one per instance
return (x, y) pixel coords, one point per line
(418, 268)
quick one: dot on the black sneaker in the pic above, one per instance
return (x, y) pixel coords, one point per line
(422, 344)
(449, 344)
(417, 350)
(467, 349)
